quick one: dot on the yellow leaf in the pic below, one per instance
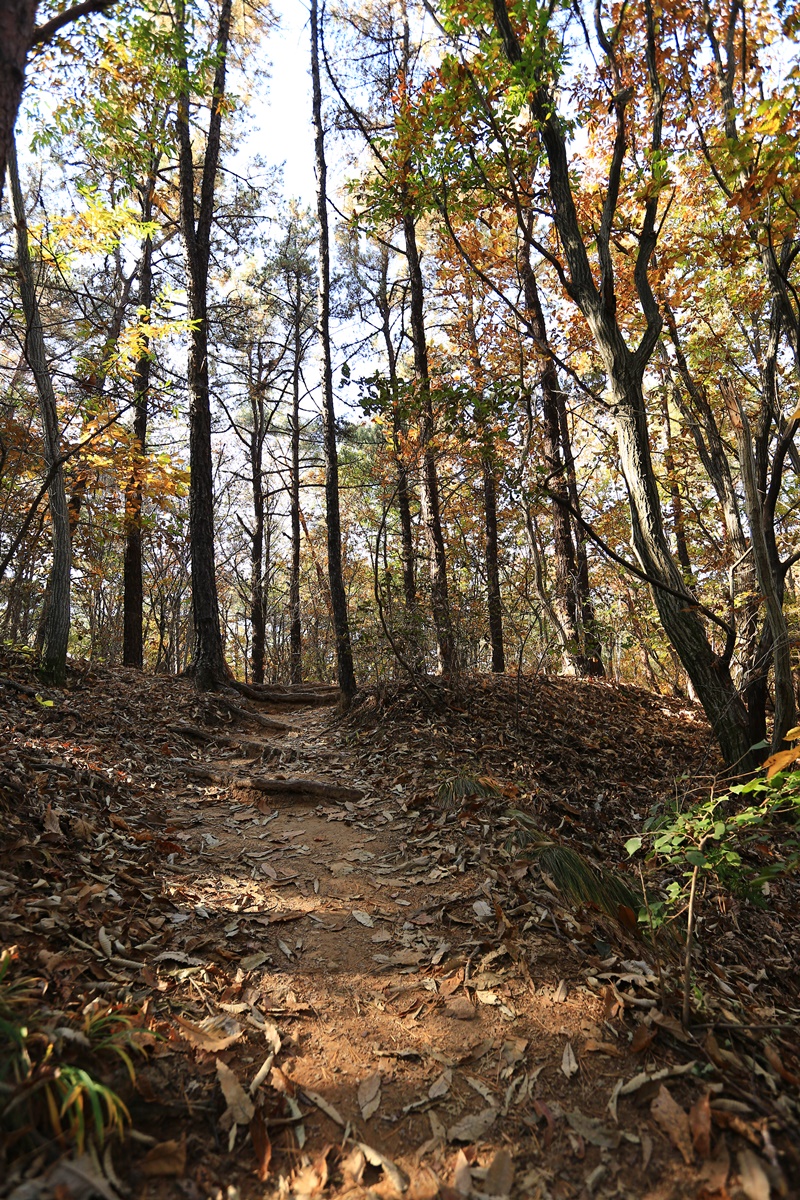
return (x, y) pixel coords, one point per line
(781, 760)
(792, 734)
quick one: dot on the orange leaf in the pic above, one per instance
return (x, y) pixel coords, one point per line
(781, 760)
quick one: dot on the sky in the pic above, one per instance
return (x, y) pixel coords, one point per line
(284, 118)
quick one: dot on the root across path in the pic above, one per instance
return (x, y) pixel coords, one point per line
(350, 978)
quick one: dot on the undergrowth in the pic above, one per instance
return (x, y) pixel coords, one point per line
(50, 1092)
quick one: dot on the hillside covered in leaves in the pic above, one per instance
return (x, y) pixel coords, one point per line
(321, 956)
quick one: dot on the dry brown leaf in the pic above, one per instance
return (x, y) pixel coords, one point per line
(472, 1126)
(674, 1122)
(569, 1064)
(594, 1131)
(165, 1159)
(500, 1175)
(213, 1034)
(369, 1095)
(352, 1168)
(239, 1104)
(642, 1038)
(261, 1144)
(752, 1176)
(441, 1085)
(462, 1176)
(312, 1179)
(396, 1176)
(700, 1124)
(460, 1008)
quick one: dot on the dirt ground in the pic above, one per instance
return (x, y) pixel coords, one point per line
(372, 990)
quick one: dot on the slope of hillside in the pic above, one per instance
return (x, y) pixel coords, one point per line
(346, 975)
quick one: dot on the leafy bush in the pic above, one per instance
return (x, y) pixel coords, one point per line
(728, 838)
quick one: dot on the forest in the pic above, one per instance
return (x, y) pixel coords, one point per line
(471, 480)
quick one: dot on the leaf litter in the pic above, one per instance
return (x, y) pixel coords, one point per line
(138, 870)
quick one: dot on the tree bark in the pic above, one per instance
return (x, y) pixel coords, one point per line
(677, 608)
(344, 654)
(56, 619)
(295, 615)
(209, 666)
(430, 514)
(133, 590)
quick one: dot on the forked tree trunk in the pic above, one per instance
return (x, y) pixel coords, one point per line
(56, 618)
(677, 607)
(341, 625)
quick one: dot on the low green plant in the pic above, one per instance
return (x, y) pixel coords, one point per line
(48, 1087)
(722, 834)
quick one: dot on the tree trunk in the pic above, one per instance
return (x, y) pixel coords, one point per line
(494, 600)
(17, 20)
(708, 671)
(344, 655)
(257, 614)
(565, 600)
(403, 482)
(56, 619)
(133, 591)
(430, 506)
(770, 584)
(209, 666)
(295, 626)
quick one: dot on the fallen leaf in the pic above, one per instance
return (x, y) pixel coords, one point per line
(642, 1038)
(472, 1127)
(364, 918)
(500, 1175)
(396, 1176)
(352, 1167)
(441, 1084)
(752, 1176)
(569, 1064)
(462, 1176)
(213, 1034)
(261, 1144)
(311, 1179)
(239, 1104)
(460, 1008)
(51, 822)
(592, 1046)
(541, 1109)
(165, 1159)
(700, 1125)
(593, 1131)
(76, 1178)
(323, 1105)
(369, 1095)
(674, 1122)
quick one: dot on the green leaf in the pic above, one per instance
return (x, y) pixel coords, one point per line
(696, 858)
(633, 844)
(719, 829)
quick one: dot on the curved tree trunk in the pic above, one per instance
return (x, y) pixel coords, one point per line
(54, 627)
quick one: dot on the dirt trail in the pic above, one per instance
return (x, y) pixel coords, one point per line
(388, 963)
(376, 993)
